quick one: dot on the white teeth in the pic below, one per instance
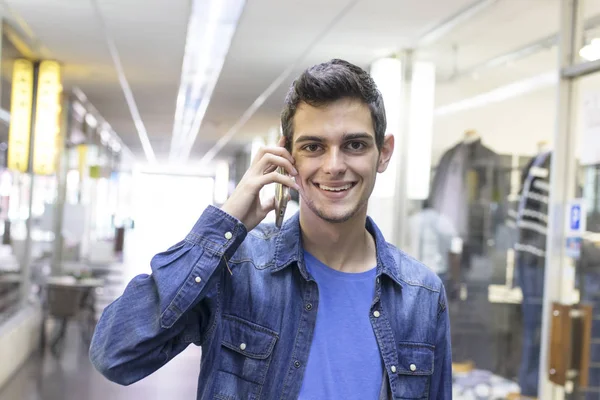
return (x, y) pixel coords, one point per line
(336, 189)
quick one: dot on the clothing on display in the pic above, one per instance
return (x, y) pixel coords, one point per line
(468, 180)
(530, 250)
(532, 213)
(429, 239)
(588, 282)
(470, 187)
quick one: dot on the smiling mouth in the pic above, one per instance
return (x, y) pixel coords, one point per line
(335, 188)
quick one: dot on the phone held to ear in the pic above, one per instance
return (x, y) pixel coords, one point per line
(282, 194)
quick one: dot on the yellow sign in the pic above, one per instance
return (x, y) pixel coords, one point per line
(20, 116)
(82, 151)
(47, 118)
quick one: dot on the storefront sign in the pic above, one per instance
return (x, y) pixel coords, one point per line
(576, 218)
(590, 154)
(47, 118)
(20, 116)
(576, 226)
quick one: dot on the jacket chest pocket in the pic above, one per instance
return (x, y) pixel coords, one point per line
(413, 373)
(246, 349)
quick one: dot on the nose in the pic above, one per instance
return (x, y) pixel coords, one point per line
(334, 163)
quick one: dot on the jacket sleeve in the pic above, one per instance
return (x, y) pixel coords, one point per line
(160, 314)
(441, 384)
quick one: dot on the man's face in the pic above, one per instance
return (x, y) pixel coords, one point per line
(337, 158)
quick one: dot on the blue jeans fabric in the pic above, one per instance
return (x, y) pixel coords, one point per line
(591, 295)
(531, 280)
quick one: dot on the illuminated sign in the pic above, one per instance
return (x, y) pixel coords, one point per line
(20, 116)
(47, 118)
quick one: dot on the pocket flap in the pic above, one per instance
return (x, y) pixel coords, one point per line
(247, 338)
(415, 359)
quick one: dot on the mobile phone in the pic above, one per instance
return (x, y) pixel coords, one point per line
(281, 199)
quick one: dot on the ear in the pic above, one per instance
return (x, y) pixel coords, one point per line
(386, 153)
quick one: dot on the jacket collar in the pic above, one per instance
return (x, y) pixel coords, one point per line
(289, 249)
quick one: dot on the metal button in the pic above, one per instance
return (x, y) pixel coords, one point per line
(308, 307)
(393, 369)
(198, 279)
(297, 364)
(413, 367)
(378, 280)
(376, 314)
(228, 235)
(243, 346)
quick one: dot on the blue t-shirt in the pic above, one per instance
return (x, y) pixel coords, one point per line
(344, 360)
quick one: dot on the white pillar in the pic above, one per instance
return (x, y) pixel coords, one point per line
(408, 89)
(420, 131)
(387, 74)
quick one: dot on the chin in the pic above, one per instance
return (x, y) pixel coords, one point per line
(337, 216)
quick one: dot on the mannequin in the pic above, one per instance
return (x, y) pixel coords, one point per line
(471, 136)
(543, 146)
(530, 250)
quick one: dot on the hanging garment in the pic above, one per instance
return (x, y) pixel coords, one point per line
(532, 213)
(470, 188)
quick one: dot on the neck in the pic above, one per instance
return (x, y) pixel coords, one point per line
(345, 246)
(470, 139)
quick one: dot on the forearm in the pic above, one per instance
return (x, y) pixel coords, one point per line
(158, 315)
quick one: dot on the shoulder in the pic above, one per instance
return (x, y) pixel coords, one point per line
(413, 272)
(259, 246)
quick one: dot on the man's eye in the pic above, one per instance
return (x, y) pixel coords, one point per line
(311, 147)
(356, 145)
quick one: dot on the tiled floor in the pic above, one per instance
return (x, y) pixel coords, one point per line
(72, 376)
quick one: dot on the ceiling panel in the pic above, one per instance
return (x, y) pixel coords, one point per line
(150, 38)
(272, 35)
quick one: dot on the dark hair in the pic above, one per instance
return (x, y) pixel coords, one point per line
(325, 83)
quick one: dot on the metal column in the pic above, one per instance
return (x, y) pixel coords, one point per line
(61, 176)
(27, 256)
(400, 189)
(559, 276)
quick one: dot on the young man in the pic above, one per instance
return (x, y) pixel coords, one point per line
(323, 308)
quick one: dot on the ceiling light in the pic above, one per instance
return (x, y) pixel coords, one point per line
(591, 52)
(497, 95)
(90, 120)
(210, 31)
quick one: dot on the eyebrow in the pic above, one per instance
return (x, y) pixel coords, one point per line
(345, 138)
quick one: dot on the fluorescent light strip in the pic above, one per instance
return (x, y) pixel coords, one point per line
(210, 31)
(133, 109)
(591, 52)
(497, 95)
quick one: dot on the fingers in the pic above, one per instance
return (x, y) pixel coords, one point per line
(276, 177)
(276, 150)
(270, 162)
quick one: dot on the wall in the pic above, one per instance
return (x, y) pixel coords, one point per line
(19, 337)
(513, 126)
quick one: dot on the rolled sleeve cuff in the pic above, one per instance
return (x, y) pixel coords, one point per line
(217, 232)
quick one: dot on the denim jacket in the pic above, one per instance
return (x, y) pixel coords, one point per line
(249, 301)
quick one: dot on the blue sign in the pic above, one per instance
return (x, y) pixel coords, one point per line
(576, 215)
(575, 219)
